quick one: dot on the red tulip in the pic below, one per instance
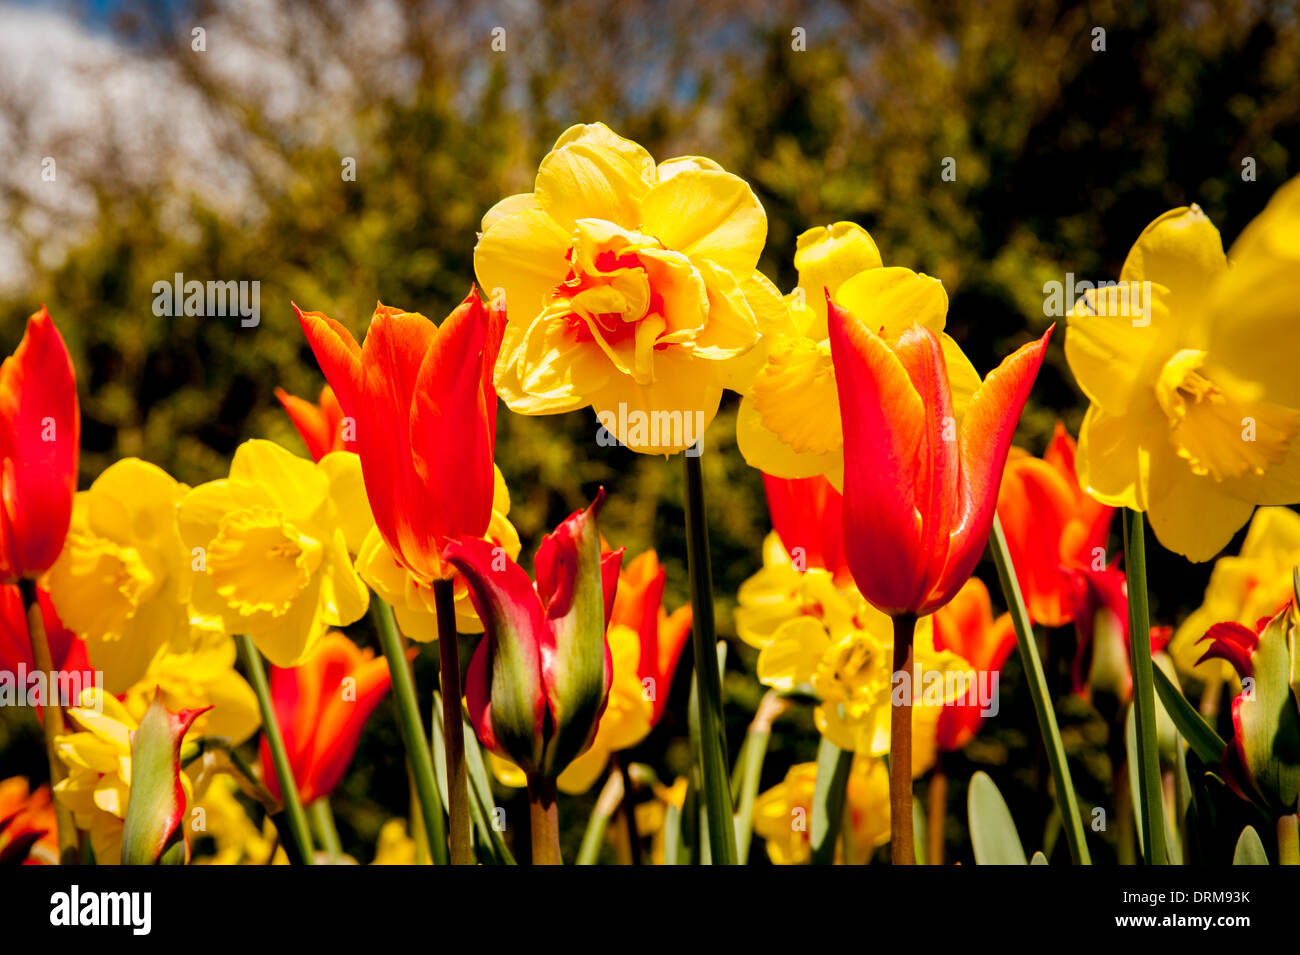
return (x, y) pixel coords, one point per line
(808, 516)
(638, 604)
(422, 398)
(321, 425)
(322, 706)
(40, 436)
(1052, 528)
(67, 650)
(966, 627)
(919, 493)
(27, 824)
(538, 683)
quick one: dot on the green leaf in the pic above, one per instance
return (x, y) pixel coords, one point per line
(993, 833)
(833, 765)
(156, 805)
(1250, 850)
(1268, 720)
(1038, 859)
(1200, 735)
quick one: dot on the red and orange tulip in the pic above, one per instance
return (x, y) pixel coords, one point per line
(322, 707)
(919, 493)
(966, 626)
(638, 604)
(322, 426)
(40, 438)
(1053, 529)
(425, 410)
(67, 650)
(27, 825)
(538, 684)
(808, 516)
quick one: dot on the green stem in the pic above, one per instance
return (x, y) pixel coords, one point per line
(1066, 801)
(544, 823)
(629, 811)
(453, 734)
(1150, 811)
(607, 803)
(902, 840)
(322, 820)
(1288, 841)
(418, 754)
(297, 819)
(51, 720)
(713, 744)
(750, 772)
(833, 765)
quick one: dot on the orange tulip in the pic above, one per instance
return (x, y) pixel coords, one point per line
(966, 627)
(808, 516)
(1053, 529)
(322, 706)
(27, 824)
(919, 492)
(40, 436)
(638, 604)
(320, 425)
(425, 410)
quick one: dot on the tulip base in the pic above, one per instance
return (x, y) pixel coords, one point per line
(544, 822)
(52, 721)
(453, 729)
(902, 845)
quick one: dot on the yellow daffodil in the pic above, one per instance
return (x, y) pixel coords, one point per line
(779, 593)
(218, 815)
(789, 423)
(1243, 589)
(199, 676)
(652, 815)
(273, 546)
(1194, 407)
(630, 286)
(123, 581)
(98, 759)
(412, 596)
(783, 814)
(394, 846)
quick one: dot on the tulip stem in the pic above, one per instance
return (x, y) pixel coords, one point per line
(1144, 694)
(453, 731)
(418, 754)
(297, 818)
(1066, 801)
(544, 822)
(322, 818)
(713, 742)
(52, 720)
(902, 845)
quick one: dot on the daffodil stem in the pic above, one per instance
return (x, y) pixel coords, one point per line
(713, 742)
(629, 812)
(418, 754)
(293, 811)
(453, 731)
(322, 818)
(1150, 811)
(1288, 840)
(52, 719)
(544, 822)
(1066, 800)
(902, 845)
(829, 796)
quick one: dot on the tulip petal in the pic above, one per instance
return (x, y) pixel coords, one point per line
(40, 440)
(883, 417)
